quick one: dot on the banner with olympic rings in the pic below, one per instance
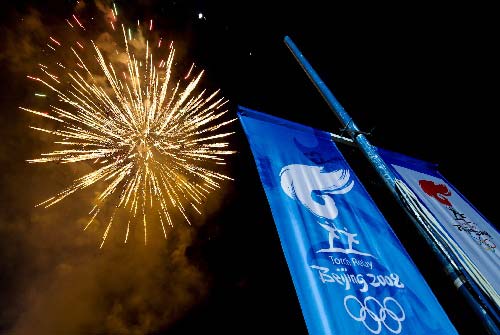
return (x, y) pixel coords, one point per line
(350, 272)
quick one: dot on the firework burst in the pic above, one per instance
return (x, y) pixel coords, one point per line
(154, 143)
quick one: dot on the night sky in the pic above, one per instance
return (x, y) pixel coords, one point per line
(421, 79)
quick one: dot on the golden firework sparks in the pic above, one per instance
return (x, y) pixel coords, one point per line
(154, 143)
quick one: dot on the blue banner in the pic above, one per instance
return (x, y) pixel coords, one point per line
(350, 272)
(468, 234)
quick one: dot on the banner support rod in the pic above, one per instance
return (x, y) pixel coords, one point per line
(389, 179)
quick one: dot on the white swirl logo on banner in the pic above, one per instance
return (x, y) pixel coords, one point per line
(315, 191)
(379, 317)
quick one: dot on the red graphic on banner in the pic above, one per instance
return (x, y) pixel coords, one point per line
(437, 191)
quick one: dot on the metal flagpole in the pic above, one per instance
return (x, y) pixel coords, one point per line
(474, 297)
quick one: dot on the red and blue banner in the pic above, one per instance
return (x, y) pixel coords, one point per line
(471, 238)
(350, 272)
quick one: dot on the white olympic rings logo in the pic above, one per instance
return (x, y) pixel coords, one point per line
(380, 317)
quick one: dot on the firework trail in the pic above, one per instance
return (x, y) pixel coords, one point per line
(153, 142)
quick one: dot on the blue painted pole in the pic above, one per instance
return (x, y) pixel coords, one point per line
(470, 292)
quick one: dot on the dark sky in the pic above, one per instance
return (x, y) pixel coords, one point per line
(422, 78)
